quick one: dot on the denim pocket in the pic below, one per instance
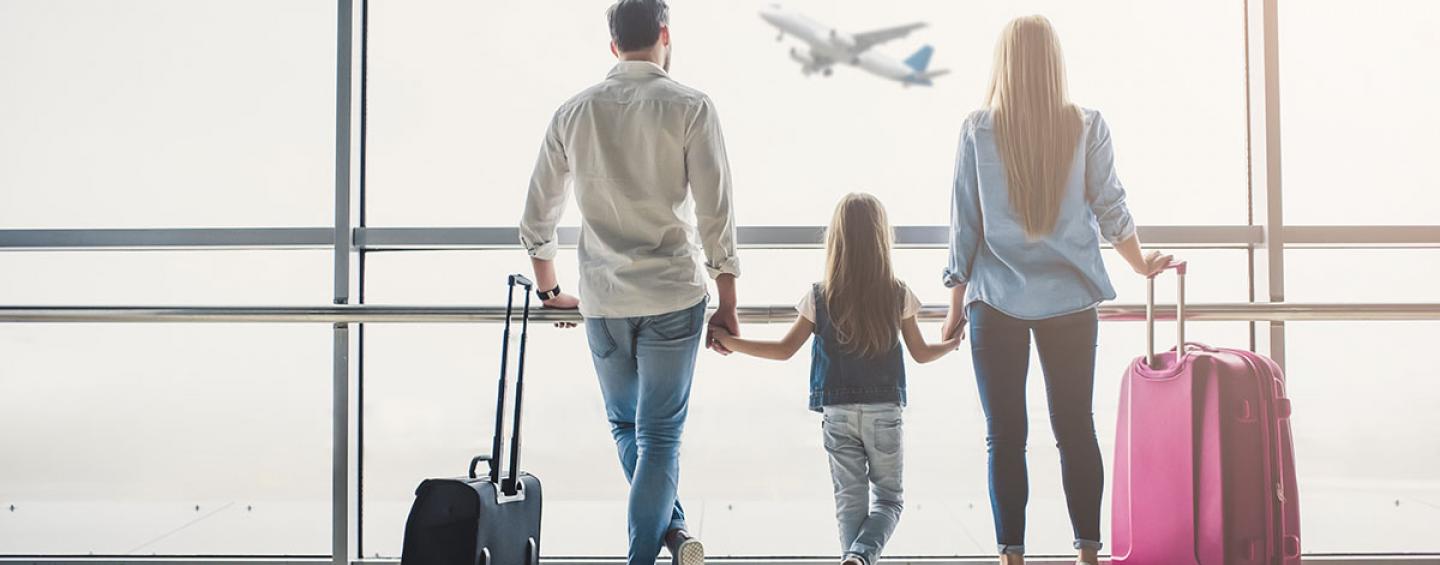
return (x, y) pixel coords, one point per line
(678, 324)
(597, 332)
(832, 428)
(888, 436)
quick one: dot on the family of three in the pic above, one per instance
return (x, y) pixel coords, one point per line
(1034, 191)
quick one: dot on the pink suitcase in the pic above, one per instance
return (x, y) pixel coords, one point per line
(1204, 466)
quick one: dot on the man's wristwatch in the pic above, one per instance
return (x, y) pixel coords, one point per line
(548, 294)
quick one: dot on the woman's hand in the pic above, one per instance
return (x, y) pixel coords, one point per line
(563, 302)
(1153, 263)
(953, 328)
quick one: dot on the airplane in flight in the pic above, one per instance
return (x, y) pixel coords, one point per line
(828, 46)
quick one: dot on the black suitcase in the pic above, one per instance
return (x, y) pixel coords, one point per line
(484, 520)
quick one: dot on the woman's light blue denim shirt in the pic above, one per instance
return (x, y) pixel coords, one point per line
(1049, 276)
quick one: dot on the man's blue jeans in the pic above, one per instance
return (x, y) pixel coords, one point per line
(645, 365)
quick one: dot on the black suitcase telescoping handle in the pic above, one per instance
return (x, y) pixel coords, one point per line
(510, 484)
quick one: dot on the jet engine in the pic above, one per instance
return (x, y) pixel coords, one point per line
(802, 57)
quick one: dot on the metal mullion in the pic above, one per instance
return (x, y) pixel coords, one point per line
(360, 286)
(340, 402)
(1263, 141)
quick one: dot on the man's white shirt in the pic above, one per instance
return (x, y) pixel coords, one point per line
(646, 160)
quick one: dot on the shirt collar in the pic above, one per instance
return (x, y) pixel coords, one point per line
(636, 68)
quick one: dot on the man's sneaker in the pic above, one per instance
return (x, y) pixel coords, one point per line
(684, 549)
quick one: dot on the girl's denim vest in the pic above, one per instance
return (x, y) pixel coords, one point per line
(841, 377)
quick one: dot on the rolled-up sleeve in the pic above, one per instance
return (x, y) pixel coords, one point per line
(545, 202)
(708, 171)
(1102, 187)
(966, 229)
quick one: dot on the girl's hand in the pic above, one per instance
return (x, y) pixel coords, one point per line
(723, 335)
(953, 328)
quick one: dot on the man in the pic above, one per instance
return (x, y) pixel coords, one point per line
(647, 163)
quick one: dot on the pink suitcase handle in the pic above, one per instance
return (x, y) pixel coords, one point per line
(1180, 269)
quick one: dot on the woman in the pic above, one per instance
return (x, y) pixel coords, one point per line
(1035, 187)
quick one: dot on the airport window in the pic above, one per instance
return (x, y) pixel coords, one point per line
(188, 439)
(459, 106)
(1362, 107)
(163, 114)
(153, 122)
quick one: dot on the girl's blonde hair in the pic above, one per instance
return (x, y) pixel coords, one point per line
(860, 289)
(1036, 126)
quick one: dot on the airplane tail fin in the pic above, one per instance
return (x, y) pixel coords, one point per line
(921, 59)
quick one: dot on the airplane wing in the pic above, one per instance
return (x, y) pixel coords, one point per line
(870, 39)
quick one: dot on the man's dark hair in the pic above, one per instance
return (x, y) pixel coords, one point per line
(635, 24)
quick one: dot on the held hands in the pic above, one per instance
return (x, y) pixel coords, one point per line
(953, 330)
(722, 336)
(724, 324)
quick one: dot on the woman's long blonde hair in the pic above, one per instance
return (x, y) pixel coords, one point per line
(860, 289)
(1036, 126)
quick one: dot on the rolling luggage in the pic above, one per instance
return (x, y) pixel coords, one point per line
(492, 519)
(1204, 467)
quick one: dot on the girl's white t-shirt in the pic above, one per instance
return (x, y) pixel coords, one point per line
(910, 310)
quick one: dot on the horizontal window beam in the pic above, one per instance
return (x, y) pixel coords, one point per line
(239, 238)
(780, 237)
(370, 313)
(757, 237)
(777, 237)
(1362, 235)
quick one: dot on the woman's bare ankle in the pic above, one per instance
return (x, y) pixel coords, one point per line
(1088, 556)
(1012, 559)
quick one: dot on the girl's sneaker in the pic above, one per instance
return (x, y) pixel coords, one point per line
(684, 548)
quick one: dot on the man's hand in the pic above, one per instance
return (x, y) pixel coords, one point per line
(563, 302)
(725, 322)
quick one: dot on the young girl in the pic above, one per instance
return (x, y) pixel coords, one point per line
(857, 374)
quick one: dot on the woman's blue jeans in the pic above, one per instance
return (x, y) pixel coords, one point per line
(1000, 348)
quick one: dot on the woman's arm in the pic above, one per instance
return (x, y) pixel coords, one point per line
(777, 350)
(1144, 264)
(966, 229)
(1107, 200)
(954, 326)
(925, 352)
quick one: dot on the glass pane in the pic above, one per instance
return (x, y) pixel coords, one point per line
(194, 439)
(1350, 501)
(143, 278)
(1362, 275)
(1365, 444)
(450, 147)
(746, 496)
(1359, 115)
(167, 113)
